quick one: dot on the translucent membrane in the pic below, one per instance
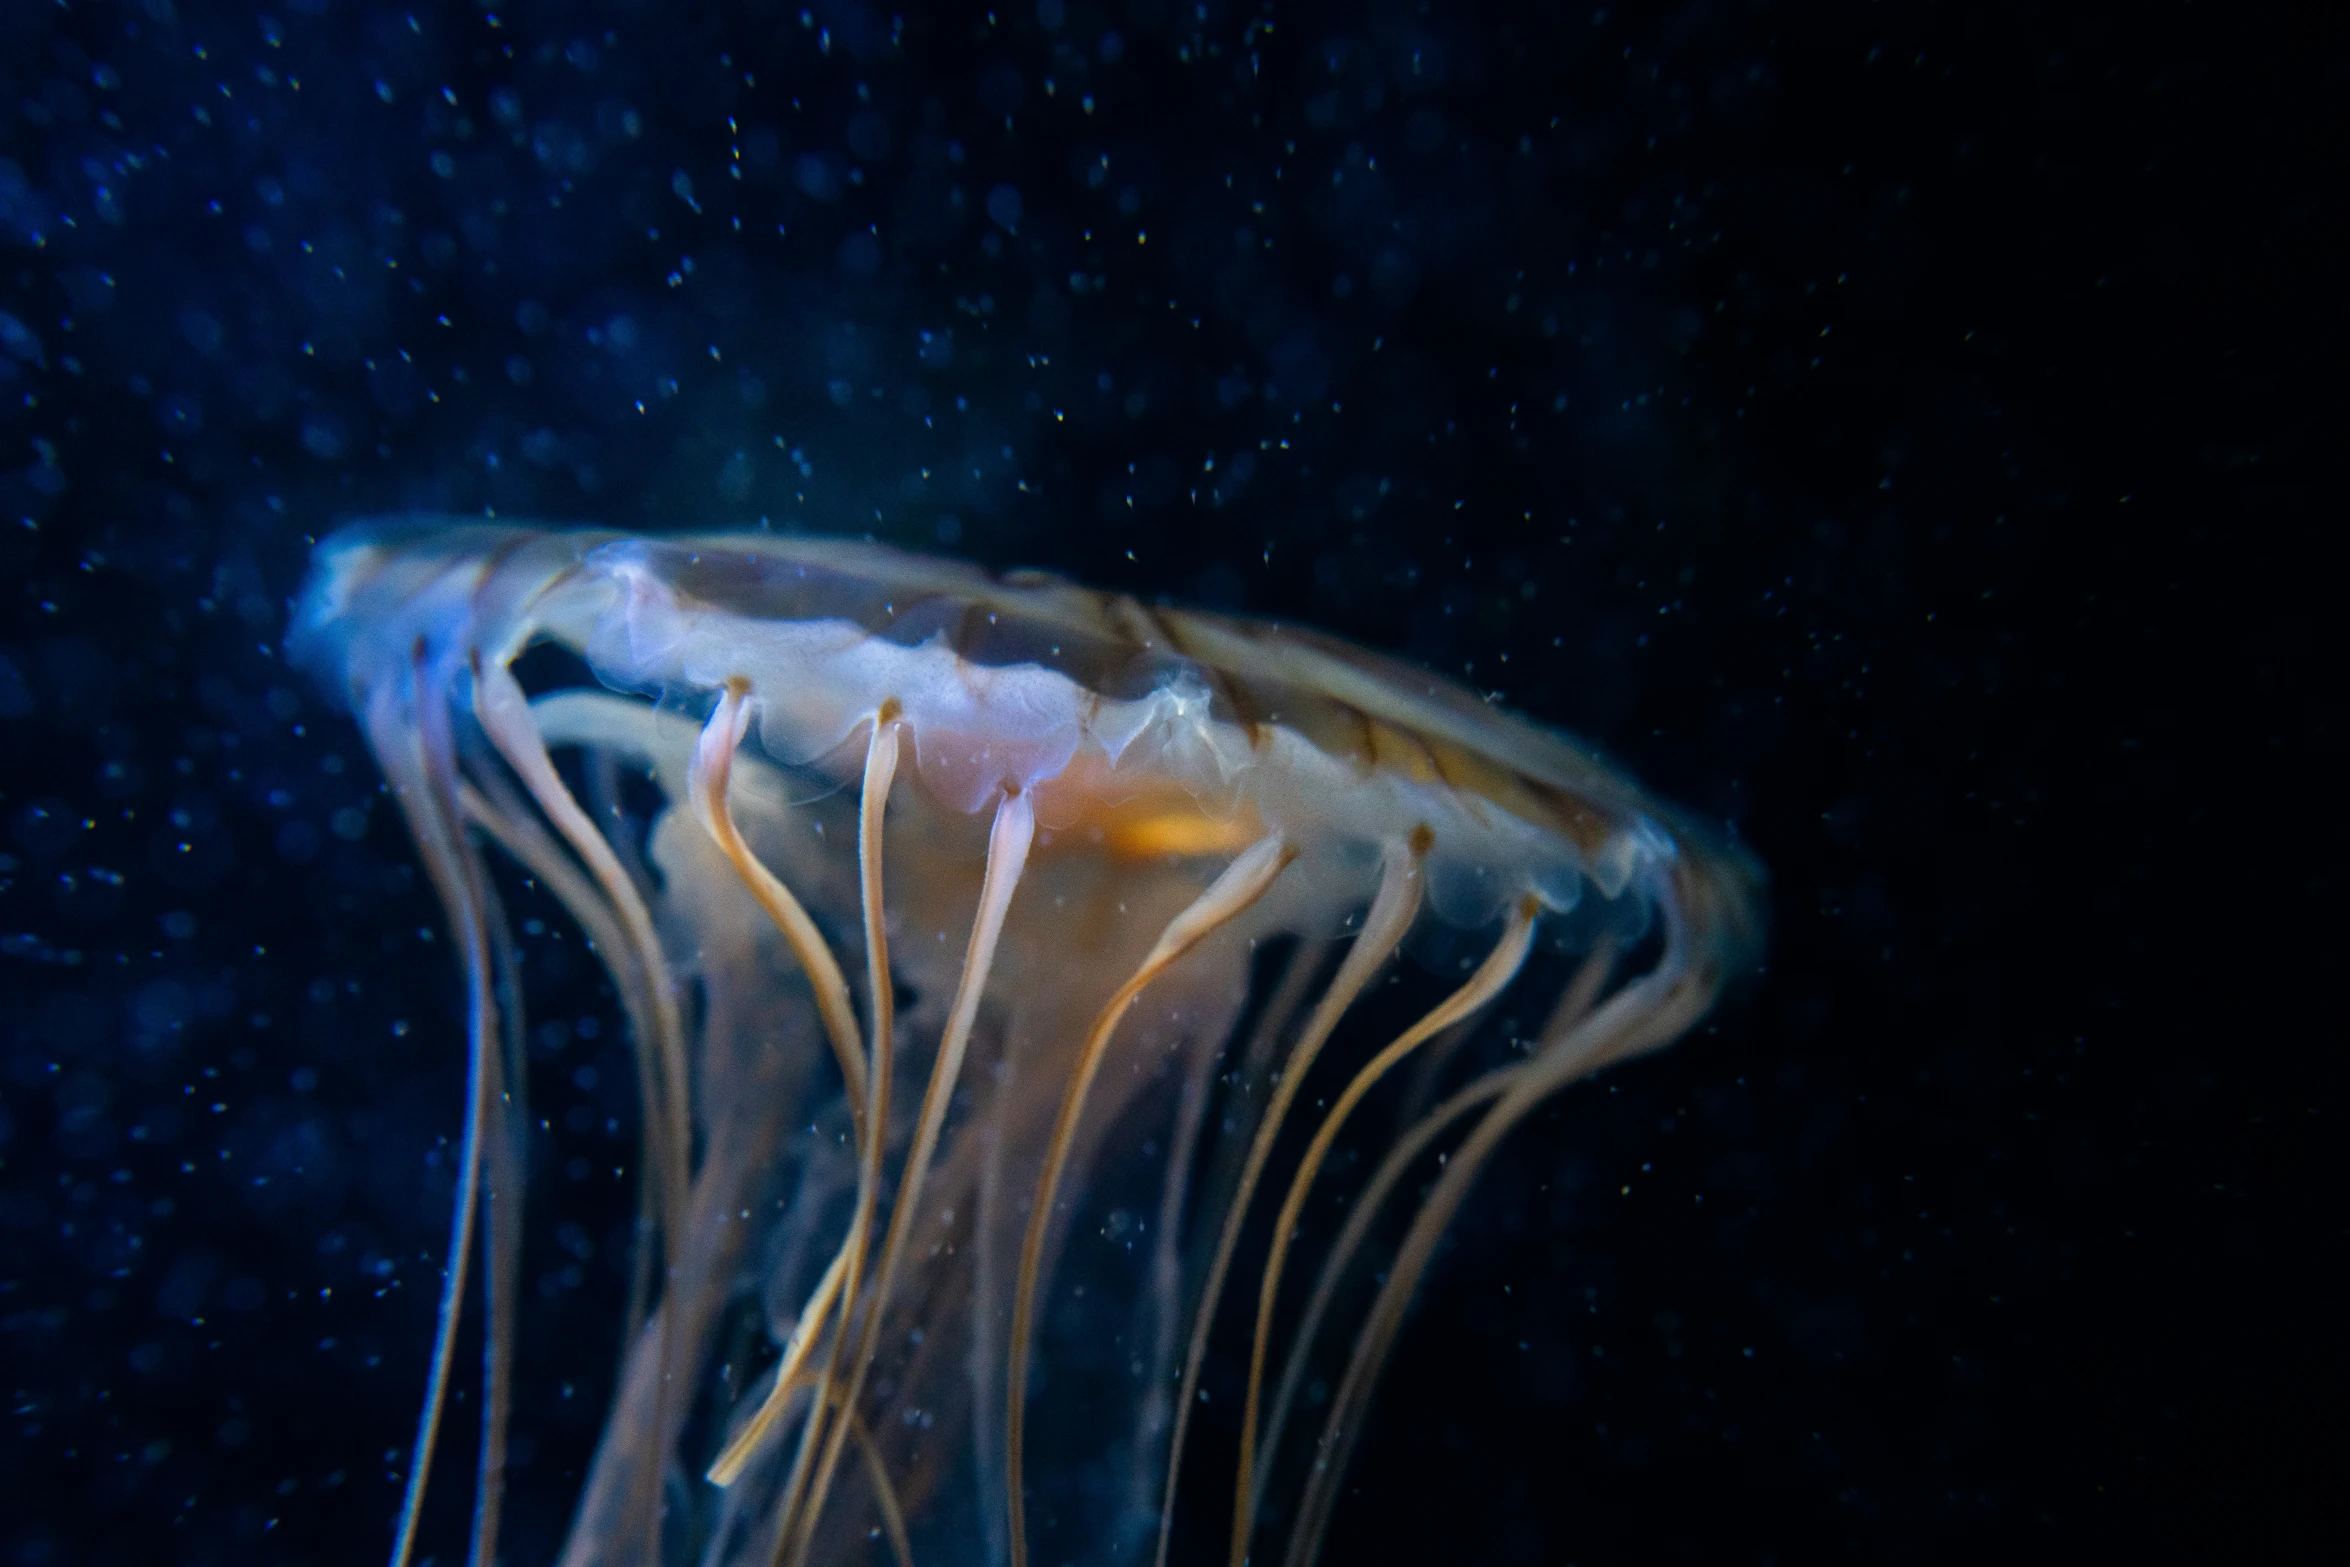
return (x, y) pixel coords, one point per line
(1062, 840)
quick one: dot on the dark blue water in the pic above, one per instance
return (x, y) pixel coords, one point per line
(1894, 432)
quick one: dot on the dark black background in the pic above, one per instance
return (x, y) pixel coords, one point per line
(1899, 431)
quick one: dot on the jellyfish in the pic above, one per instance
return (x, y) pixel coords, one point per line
(1009, 969)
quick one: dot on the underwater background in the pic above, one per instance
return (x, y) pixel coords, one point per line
(1894, 432)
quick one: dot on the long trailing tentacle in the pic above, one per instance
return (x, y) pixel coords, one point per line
(1298, 973)
(502, 1219)
(412, 739)
(1164, 1296)
(504, 714)
(1650, 1011)
(1491, 978)
(1305, 964)
(730, 1462)
(648, 1411)
(1392, 910)
(1363, 1211)
(885, 1491)
(1243, 882)
(983, 1369)
(707, 776)
(881, 769)
(706, 784)
(841, 1279)
(490, 804)
(600, 772)
(881, 766)
(1360, 1214)
(1289, 993)
(790, 1383)
(1008, 843)
(706, 780)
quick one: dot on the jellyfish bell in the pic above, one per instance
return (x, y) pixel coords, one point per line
(976, 968)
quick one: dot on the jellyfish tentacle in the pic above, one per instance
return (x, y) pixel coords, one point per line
(885, 1491)
(502, 1219)
(600, 772)
(1289, 993)
(842, 1277)
(1428, 1069)
(1492, 977)
(1589, 979)
(1242, 883)
(984, 1365)
(1582, 992)
(707, 775)
(416, 753)
(1653, 1009)
(1014, 830)
(1392, 911)
(1165, 1298)
(881, 768)
(790, 1382)
(1298, 973)
(489, 804)
(728, 1466)
(504, 714)
(1573, 1003)
(1361, 1213)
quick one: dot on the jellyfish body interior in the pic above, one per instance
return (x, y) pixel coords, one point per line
(1003, 955)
